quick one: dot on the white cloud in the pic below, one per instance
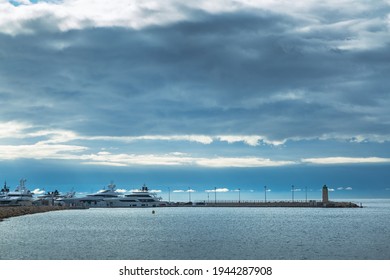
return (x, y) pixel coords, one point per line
(345, 160)
(22, 130)
(40, 151)
(38, 191)
(78, 14)
(52, 144)
(132, 159)
(344, 188)
(104, 163)
(240, 162)
(178, 191)
(106, 158)
(55, 136)
(13, 129)
(155, 191)
(218, 190)
(251, 140)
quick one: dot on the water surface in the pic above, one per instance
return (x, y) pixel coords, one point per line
(201, 233)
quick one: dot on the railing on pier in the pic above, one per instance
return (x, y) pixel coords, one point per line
(254, 201)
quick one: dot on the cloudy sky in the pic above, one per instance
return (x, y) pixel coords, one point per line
(201, 94)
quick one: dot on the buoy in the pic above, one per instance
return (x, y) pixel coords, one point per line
(153, 212)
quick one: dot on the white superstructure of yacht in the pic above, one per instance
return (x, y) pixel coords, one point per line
(111, 198)
(100, 198)
(4, 191)
(66, 199)
(138, 198)
(20, 197)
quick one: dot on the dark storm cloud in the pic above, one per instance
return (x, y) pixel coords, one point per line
(232, 73)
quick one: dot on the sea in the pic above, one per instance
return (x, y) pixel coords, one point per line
(201, 233)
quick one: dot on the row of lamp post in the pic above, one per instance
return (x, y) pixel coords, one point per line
(239, 194)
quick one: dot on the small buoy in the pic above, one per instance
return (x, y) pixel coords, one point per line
(153, 212)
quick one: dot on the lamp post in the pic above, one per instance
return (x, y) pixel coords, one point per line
(189, 194)
(292, 192)
(265, 193)
(169, 195)
(215, 195)
(239, 195)
(306, 193)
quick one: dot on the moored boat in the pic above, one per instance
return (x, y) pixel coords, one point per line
(138, 198)
(20, 197)
(110, 197)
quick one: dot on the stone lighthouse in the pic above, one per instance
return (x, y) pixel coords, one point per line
(325, 197)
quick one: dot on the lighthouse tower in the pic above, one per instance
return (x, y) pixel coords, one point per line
(325, 196)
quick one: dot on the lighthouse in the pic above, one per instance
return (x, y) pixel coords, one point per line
(325, 197)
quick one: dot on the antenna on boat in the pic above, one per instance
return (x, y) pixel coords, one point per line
(5, 189)
(22, 182)
(111, 186)
(292, 192)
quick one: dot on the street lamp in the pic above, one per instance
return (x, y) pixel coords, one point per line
(189, 194)
(169, 195)
(306, 193)
(292, 192)
(239, 195)
(215, 195)
(265, 193)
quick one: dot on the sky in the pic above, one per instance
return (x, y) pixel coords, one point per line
(197, 96)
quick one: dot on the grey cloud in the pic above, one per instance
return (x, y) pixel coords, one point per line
(213, 74)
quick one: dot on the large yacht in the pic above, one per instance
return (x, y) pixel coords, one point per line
(66, 199)
(20, 197)
(4, 191)
(111, 198)
(99, 199)
(138, 198)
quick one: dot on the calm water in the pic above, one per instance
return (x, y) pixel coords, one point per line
(201, 233)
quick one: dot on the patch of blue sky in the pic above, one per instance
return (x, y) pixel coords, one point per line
(17, 3)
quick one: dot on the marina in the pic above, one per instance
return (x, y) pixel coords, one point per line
(21, 201)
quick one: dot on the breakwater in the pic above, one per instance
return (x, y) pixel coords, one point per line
(14, 211)
(309, 204)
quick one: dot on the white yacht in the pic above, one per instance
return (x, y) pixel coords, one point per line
(101, 198)
(20, 197)
(138, 198)
(66, 199)
(111, 198)
(50, 198)
(4, 191)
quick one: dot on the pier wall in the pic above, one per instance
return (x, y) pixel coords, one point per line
(14, 211)
(310, 204)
